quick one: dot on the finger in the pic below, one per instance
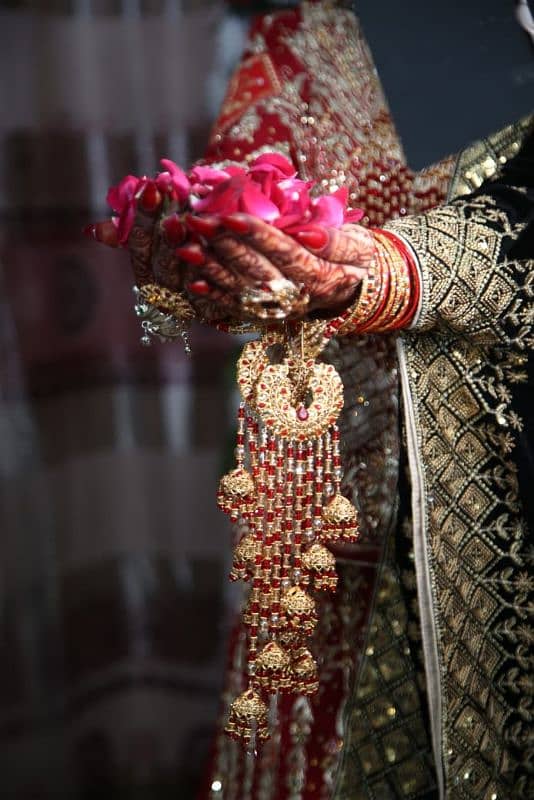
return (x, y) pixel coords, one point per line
(140, 246)
(209, 295)
(280, 256)
(351, 244)
(199, 288)
(220, 276)
(211, 283)
(168, 234)
(173, 230)
(216, 306)
(244, 260)
(168, 270)
(278, 248)
(105, 232)
(191, 253)
(206, 225)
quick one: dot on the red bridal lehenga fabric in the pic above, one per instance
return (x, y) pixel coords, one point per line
(307, 87)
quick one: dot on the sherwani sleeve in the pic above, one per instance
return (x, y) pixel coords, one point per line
(475, 254)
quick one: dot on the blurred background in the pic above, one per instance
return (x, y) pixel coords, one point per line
(113, 573)
(114, 599)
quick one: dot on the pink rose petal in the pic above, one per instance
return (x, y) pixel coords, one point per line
(328, 211)
(274, 162)
(254, 202)
(120, 195)
(223, 199)
(268, 189)
(208, 175)
(178, 178)
(126, 221)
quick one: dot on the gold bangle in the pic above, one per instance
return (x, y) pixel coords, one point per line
(398, 295)
(368, 301)
(391, 266)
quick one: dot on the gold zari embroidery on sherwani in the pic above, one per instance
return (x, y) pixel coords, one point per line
(457, 366)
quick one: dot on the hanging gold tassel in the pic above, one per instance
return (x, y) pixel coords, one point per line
(321, 565)
(272, 668)
(248, 718)
(236, 493)
(243, 563)
(304, 672)
(340, 521)
(285, 489)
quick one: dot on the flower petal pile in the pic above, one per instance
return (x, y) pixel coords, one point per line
(268, 189)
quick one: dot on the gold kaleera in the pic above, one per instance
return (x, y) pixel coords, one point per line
(285, 493)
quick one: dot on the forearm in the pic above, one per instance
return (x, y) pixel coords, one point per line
(472, 258)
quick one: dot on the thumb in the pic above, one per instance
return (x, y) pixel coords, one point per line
(105, 232)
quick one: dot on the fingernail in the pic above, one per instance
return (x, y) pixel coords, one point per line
(237, 223)
(174, 230)
(198, 287)
(192, 254)
(315, 239)
(150, 197)
(205, 226)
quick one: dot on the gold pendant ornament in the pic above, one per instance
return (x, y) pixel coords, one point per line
(272, 668)
(236, 493)
(285, 494)
(248, 718)
(299, 421)
(340, 520)
(320, 564)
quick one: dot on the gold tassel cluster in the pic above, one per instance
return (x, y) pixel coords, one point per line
(285, 493)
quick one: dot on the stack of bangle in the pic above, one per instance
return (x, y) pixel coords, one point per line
(390, 291)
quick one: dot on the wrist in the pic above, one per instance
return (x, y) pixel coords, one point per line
(390, 290)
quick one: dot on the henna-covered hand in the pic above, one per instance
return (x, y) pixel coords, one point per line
(215, 260)
(154, 244)
(242, 252)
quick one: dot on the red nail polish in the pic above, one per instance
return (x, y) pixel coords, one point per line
(199, 287)
(174, 230)
(315, 239)
(205, 226)
(150, 197)
(236, 223)
(192, 254)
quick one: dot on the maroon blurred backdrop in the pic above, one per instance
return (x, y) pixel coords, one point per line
(113, 591)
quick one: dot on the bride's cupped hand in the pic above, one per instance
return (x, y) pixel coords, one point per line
(241, 243)
(239, 254)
